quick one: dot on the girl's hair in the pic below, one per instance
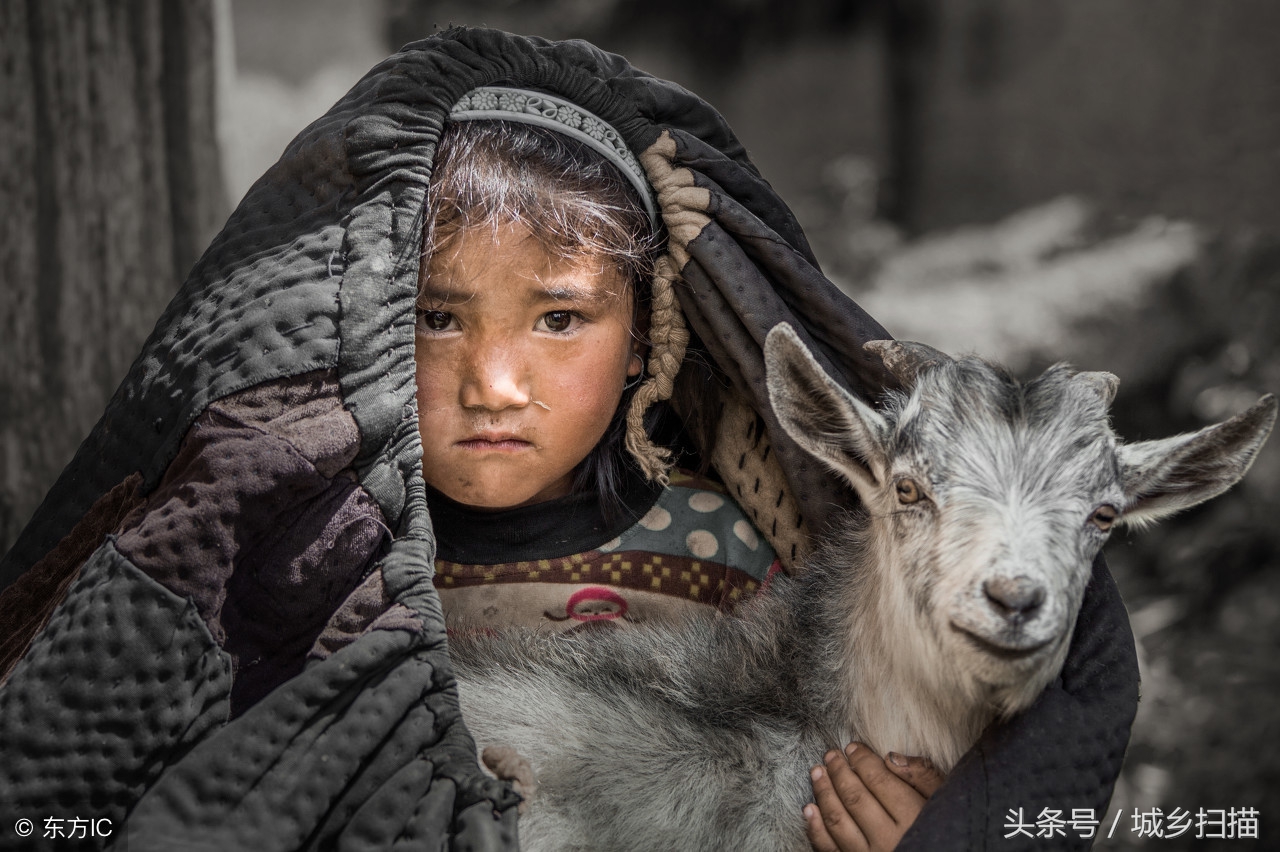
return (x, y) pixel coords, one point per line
(490, 173)
(575, 203)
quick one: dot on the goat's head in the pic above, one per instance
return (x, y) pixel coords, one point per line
(989, 498)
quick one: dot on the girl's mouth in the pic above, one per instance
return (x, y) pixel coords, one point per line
(494, 444)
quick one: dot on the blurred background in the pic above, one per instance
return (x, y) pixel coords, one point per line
(1096, 181)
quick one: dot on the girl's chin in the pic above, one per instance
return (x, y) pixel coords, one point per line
(502, 495)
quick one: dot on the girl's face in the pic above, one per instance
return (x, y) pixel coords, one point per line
(521, 362)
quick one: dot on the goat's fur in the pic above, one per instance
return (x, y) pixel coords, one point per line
(944, 605)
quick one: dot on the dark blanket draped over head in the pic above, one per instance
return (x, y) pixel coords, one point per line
(220, 627)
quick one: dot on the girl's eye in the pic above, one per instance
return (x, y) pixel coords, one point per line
(556, 321)
(436, 320)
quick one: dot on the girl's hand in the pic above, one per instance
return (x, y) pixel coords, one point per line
(864, 803)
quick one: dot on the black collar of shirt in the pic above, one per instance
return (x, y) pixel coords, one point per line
(560, 527)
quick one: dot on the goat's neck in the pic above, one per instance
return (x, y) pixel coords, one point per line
(889, 676)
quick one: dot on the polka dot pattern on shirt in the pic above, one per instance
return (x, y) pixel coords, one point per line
(694, 519)
(656, 519)
(746, 534)
(702, 544)
(705, 501)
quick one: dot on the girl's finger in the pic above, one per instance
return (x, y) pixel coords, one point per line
(834, 823)
(895, 798)
(919, 772)
(896, 803)
(876, 822)
(819, 838)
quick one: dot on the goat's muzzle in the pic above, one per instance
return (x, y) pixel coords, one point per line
(1016, 600)
(1010, 620)
(1002, 648)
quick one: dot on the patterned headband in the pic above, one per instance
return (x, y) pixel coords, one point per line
(559, 115)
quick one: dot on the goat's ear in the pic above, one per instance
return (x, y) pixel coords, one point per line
(823, 418)
(1163, 476)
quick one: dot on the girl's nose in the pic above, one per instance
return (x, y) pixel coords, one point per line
(496, 383)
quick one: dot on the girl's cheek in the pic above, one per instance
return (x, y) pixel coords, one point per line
(435, 372)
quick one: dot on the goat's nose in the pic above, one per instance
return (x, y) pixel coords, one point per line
(1014, 598)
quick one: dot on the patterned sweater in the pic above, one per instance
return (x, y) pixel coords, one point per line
(562, 564)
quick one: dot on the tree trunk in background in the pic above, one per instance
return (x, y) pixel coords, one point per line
(110, 186)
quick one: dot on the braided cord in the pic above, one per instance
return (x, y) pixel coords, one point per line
(668, 340)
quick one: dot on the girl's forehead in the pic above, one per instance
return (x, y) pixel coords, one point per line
(509, 257)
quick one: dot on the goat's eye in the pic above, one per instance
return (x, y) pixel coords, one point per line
(1103, 517)
(908, 491)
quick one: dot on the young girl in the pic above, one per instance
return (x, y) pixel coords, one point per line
(530, 353)
(228, 632)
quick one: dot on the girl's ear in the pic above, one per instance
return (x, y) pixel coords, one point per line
(639, 341)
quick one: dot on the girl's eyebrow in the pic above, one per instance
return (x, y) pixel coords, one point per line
(437, 295)
(440, 290)
(434, 294)
(563, 292)
(574, 287)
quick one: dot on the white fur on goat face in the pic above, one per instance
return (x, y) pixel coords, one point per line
(1002, 538)
(989, 498)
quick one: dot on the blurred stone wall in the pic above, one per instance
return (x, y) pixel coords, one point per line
(1169, 107)
(289, 61)
(111, 188)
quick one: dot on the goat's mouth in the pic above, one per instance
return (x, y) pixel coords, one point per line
(1011, 651)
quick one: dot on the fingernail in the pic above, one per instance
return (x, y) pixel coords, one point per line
(850, 748)
(816, 773)
(898, 760)
(809, 811)
(830, 756)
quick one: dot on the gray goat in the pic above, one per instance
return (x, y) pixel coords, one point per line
(949, 602)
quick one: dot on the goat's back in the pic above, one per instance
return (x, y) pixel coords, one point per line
(655, 737)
